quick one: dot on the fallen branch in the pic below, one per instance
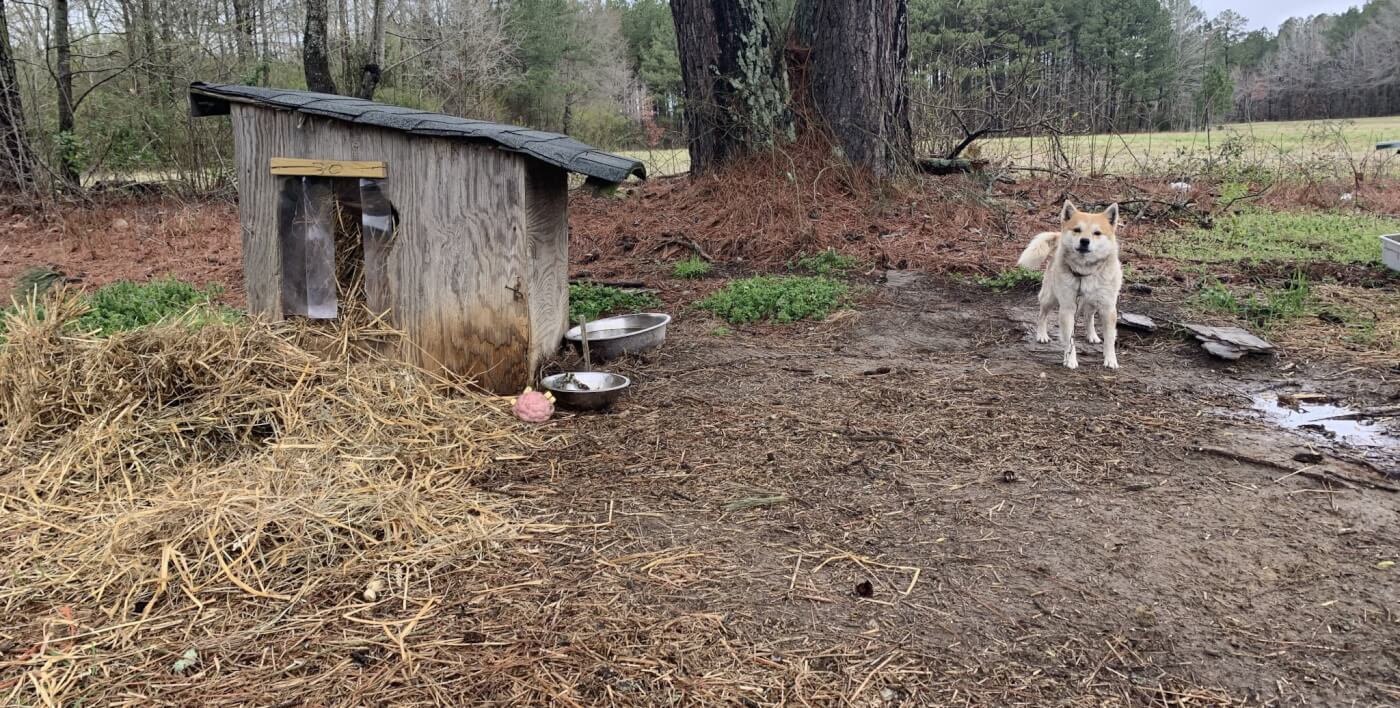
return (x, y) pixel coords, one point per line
(1322, 476)
(1225, 208)
(625, 284)
(1363, 462)
(687, 243)
(944, 166)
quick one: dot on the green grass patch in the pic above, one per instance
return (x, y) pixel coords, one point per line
(828, 262)
(1011, 279)
(125, 305)
(1361, 328)
(693, 267)
(777, 298)
(1254, 236)
(1262, 308)
(590, 301)
(721, 331)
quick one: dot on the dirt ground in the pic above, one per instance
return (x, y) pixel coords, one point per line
(197, 241)
(909, 504)
(949, 518)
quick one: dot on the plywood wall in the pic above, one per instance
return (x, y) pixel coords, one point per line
(477, 268)
(547, 196)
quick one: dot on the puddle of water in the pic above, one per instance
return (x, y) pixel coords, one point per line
(1327, 420)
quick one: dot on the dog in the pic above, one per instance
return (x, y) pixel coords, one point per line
(1085, 275)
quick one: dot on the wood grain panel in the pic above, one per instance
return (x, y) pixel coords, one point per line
(458, 270)
(294, 166)
(547, 207)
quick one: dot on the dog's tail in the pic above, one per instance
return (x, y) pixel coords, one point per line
(1036, 253)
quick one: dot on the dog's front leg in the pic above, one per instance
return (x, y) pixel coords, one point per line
(1067, 336)
(1042, 325)
(1110, 337)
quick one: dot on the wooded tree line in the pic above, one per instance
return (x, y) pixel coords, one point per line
(1333, 66)
(97, 86)
(1135, 65)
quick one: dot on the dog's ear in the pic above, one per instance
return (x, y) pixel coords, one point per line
(1068, 211)
(1112, 214)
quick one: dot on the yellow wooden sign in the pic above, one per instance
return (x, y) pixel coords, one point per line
(373, 169)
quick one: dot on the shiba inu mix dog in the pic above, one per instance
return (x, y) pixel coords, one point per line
(1084, 276)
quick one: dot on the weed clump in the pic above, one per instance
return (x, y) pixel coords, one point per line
(589, 301)
(777, 298)
(693, 267)
(828, 262)
(1011, 279)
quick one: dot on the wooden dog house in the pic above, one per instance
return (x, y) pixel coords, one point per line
(463, 224)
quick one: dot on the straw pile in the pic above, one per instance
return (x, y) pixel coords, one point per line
(177, 501)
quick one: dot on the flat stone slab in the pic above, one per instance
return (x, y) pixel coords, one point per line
(1228, 342)
(1221, 350)
(1141, 323)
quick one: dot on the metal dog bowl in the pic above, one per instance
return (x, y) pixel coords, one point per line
(612, 337)
(589, 390)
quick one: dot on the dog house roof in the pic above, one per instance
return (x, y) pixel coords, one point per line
(561, 151)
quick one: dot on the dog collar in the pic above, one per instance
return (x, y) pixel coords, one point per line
(1076, 273)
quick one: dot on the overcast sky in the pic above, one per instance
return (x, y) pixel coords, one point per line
(1269, 13)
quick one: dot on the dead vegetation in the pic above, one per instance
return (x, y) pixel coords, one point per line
(224, 491)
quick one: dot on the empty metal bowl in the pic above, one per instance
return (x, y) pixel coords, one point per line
(611, 337)
(586, 390)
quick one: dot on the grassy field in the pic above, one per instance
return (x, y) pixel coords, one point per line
(661, 162)
(1288, 145)
(1270, 145)
(1260, 236)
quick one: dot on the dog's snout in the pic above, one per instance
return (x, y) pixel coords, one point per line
(1084, 244)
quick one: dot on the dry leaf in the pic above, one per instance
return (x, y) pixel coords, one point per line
(187, 660)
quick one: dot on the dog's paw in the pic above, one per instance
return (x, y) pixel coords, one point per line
(1110, 362)
(1042, 337)
(1094, 337)
(1071, 361)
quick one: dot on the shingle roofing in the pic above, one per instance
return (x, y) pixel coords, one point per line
(558, 150)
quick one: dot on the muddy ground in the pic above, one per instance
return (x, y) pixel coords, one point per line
(915, 504)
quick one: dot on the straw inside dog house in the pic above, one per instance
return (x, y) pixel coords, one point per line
(459, 228)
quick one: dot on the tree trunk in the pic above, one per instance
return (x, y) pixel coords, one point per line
(147, 21)
(16, 167)
(164, 47)
(374, 55)
(129, 35)
(315, 52)
(736, 94)
(243, 31)
(63, 77)
(857, 79)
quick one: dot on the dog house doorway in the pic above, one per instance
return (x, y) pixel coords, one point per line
(335, 234)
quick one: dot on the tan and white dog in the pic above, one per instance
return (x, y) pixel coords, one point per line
(1084, 276)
